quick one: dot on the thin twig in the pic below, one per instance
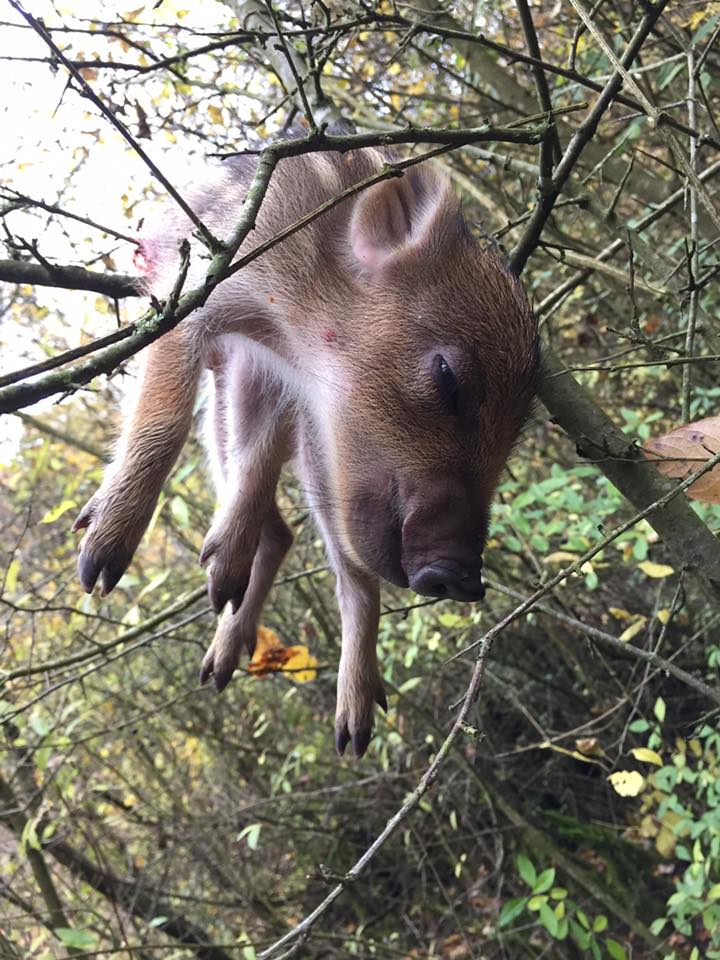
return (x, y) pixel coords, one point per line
(211, 241)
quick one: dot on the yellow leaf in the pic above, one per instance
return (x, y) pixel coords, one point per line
(576, 755)
(11, 577)
(628, 783)
(656, 570)
(647, 755)
(272, 656)
(300, 667)
(561, 556)
(620, 614)
(215, 113)
(633, 630)
(394, 69)
(663, 615)
(417, 89)
(52, 515)
(648, 827)
(665, 842)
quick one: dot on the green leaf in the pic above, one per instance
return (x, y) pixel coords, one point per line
(410, 684)
(536, 901)
(511, 910)
(581, 937)
(180, 512)
(40, 725)
(659, 710)
(451, 620)
(600, 923)
(157, 921)
(79, 939)
(549, 920)
(544, 881)
(615, 949)
(526, 870)
(252, 833)
(29, 837)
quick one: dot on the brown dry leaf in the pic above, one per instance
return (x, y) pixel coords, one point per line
(590, 747)
(272, 656)
(455, 946)
(682, 451)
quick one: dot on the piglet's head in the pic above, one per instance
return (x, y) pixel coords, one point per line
(441, 363)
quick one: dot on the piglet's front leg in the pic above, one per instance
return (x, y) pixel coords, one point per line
(117, 516)
(359, 685)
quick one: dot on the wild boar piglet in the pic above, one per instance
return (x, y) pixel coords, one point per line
(382, 349)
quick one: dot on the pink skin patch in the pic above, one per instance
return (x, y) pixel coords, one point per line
(141, 260)
(329, 336)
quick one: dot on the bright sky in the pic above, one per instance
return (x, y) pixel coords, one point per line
(50, 150)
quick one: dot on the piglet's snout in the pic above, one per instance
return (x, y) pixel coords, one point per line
(445, 578)
(442, 553)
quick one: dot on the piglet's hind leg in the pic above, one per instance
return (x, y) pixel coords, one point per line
(359, 685)
(236, 631)
(249, 439)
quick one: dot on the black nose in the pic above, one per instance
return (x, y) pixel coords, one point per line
(445, 579)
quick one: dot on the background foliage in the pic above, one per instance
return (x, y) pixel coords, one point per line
(144, 816)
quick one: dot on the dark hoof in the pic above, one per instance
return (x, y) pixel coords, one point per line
(220, 668)
(358, 738)
(108, 566)
(222, 593)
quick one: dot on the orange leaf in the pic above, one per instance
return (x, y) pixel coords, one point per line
(272, 656)
(683, 451)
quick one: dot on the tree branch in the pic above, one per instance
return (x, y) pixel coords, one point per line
(154, 324)
(581, 137)
(70, 277)
(139, 900)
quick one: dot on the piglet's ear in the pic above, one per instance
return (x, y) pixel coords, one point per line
(400, 215)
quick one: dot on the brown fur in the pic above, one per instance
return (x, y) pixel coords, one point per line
(333, 347)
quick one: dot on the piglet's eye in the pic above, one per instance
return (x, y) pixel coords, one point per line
(446, 383)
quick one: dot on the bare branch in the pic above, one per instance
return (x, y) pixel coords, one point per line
(69, 277)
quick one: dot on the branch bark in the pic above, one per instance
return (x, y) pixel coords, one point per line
(70, 277)
(12, 814)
